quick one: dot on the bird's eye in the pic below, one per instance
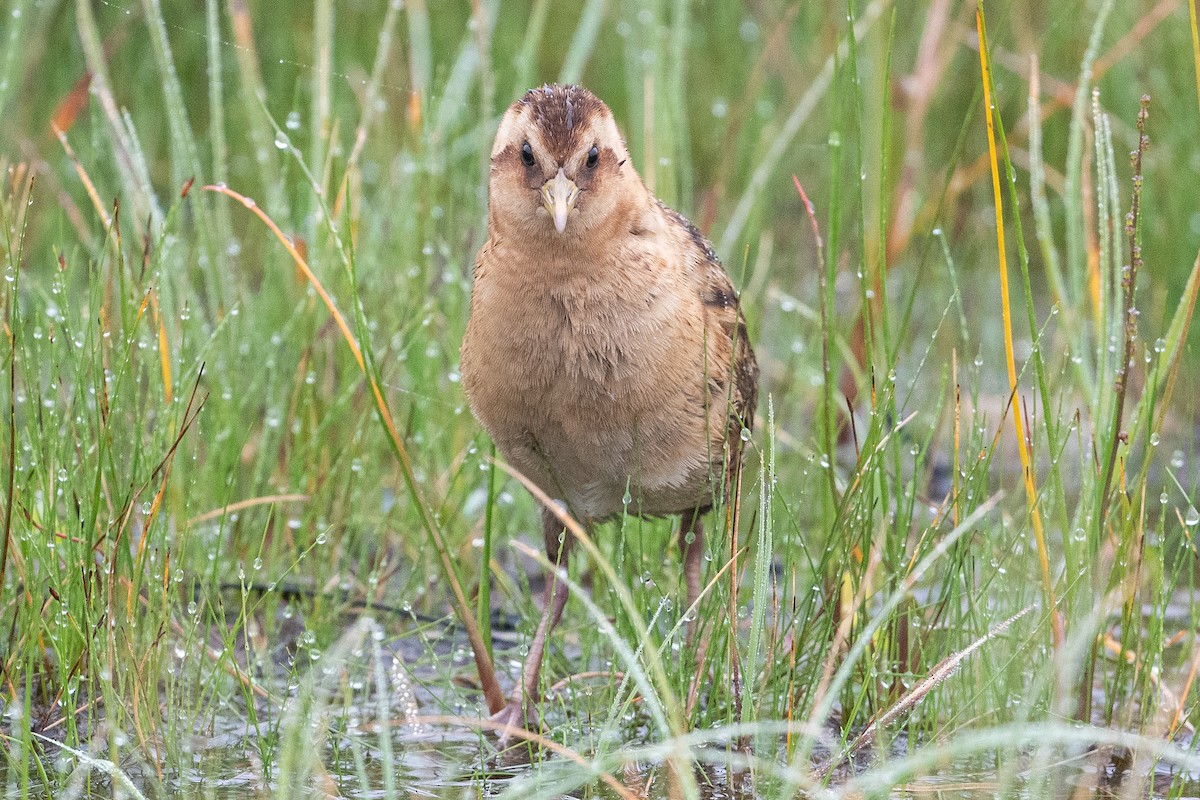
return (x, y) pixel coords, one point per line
(593, 157)
(527, 154)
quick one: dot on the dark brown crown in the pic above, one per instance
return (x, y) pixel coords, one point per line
(560, 113)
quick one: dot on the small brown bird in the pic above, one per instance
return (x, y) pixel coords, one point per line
(605, 353)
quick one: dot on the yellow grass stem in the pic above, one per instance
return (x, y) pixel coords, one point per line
(88, 186)
(1006, 309)
(483, 662)
(164, 349)
(230, 508)
(1195, 45)
(302, 265)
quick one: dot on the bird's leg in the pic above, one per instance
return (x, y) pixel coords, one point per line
(691, 548)
(520, 710)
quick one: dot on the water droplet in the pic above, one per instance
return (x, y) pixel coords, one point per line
(1192, 516)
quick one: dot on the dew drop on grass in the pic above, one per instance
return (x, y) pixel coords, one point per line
(293, 121)
(1192, 516)
(1164, 498)
(1154, 439)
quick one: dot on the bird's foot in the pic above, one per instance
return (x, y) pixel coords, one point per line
(519, 714)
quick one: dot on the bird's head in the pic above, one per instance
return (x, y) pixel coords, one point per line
(559, 165)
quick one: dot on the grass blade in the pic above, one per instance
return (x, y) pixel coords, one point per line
(1031, 494)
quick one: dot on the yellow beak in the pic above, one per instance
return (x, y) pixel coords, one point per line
(558, 196)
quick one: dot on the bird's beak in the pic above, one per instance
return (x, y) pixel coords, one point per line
(558, 196)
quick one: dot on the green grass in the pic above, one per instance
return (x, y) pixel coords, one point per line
(227, 561)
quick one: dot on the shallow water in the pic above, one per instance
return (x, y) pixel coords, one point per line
(395, 709)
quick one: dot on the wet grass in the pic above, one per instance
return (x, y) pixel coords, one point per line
(254, 543)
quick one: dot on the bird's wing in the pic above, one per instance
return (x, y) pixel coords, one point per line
(724, 313)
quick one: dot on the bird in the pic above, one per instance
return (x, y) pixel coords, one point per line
(606, 352)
